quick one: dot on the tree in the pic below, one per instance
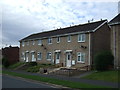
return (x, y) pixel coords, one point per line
(5, 62)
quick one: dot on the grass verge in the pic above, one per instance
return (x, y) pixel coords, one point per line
(54, 81)
(111, 76)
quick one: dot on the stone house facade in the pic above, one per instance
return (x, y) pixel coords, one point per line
(70, 46)
(115, 39)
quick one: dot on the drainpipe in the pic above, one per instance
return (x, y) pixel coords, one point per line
(114, 46)
(89, 62)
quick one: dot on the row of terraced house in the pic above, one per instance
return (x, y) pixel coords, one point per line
(73, 46)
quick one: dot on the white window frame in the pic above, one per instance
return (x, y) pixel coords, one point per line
(81, 54)
(58, 39)
(49, 57)
(33, 42)
(69, 38)
(23, 55)
(39, 53)
(40, 42)
(50, 40)
(81, 37)
(23, 43)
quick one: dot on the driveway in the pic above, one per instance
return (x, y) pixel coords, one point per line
(14, 82)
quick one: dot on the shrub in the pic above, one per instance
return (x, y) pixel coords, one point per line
(32, 63)
(5, 62)
(103, 60)
(33, 69)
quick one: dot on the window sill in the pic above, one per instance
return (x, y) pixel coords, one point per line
(80, 62)
(81, 41)
(39, 59)
(48, 59)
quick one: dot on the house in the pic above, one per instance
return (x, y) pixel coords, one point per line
(70, 46)
(115, 39)
(11, 54)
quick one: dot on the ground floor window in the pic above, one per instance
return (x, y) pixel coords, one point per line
(81, 57)
(49, 56)
(23, 55)
(39, 55)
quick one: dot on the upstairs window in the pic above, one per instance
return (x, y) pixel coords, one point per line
(69, 38)
(49, 56)
(39, 42)
(39, 55)
(23, 44)
(81, 38)
(58, 39)
(49, 40)
(81, 57)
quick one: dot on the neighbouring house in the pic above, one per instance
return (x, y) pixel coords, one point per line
(70, 46)
(11, 54)
(0, 56)
(115, 39)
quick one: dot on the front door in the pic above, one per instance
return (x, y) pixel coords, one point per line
(33, 56)
(26, 58)
(68, 62)
(57, 58)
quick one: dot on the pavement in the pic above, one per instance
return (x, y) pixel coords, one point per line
(75, 79)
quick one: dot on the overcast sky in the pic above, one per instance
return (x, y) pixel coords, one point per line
(20, 18)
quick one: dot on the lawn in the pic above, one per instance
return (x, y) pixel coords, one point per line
(15, 65)
(111, 76)
(54, 81)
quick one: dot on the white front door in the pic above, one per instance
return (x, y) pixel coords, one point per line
(33, 56)
(57, 58)
(68, 62)
(26, 58)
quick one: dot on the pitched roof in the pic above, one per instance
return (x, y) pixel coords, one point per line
(73, 29)
(115, 20)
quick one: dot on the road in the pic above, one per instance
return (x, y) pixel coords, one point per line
(14, 82)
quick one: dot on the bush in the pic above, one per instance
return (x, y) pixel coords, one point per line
(103, 60)
(32, 63)
(5, 62)
(33, 69)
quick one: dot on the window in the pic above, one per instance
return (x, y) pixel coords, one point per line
(23, 44)
(39, 55)
(23, 55)
(33, 42)
(49, 40)
(69, 38)
(39, 42)
(81, 38)
(27, 42)
(49, 56)
(58, 39)
(81, 57)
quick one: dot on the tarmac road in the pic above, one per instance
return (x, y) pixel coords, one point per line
(15, 82)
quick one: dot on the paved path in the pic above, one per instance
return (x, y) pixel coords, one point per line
(75, 79)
